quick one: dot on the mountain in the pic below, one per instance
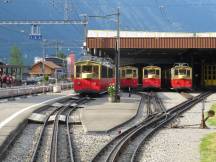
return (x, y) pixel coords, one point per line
(144, 15)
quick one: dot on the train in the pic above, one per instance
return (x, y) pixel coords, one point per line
(92, 75)
(151, 77)
(128, 77)
(181, 76)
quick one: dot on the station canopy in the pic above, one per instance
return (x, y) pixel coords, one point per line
(140, 43)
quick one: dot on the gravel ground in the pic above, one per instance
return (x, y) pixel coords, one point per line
(181, 144)
(171, 99)
(87, 145)
(22, 149)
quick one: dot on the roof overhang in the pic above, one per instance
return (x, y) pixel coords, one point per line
(150, 40)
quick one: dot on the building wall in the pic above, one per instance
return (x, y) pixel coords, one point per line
(38, 69)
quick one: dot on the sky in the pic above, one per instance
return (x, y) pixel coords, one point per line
(136, 15)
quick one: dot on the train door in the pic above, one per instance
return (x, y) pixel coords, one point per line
(209, 75)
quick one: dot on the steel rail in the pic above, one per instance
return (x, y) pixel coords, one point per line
(154, 123)
(69, 137)
(117, 149)
(153, 126)
(35, 152)
(124, 134)
(54, 143)
(39, 141)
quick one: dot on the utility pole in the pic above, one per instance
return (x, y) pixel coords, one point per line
(117, 59)
(43, 66)
(85, 22)
(66, 10)
(57, 48)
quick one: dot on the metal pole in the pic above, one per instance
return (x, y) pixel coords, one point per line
(43, 66)
(117, 59)
(203, 125)
(85, 33)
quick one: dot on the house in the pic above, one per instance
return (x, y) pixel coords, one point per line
(50, 69)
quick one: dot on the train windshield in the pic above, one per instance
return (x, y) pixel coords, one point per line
(182, 72)
(151, 71)
(87, 69)
(128, 71)
(93, 69)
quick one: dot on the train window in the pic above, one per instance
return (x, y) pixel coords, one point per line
(134, 73)
(145, 73)
(151, 71)
(95, 71)
(104, 72)
(110, 73)
(128, 71)
(188, 73)
(87, 69)
(176, 72)
(182, 71)
(78, 71)
(157, 72)
(123, 73)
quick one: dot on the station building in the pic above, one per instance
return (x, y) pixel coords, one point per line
(162, 49)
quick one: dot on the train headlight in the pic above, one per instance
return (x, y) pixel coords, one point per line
(78, 83)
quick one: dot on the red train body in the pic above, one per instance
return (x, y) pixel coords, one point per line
(151, 77)
(181, 76)
(92, 76)
(128, 77)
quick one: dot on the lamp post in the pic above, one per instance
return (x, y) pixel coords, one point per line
(43, 66)
(117, 59)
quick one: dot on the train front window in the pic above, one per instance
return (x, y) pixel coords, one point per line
(134, 73)
(95, 71)
(182, 72)
(123, 73)
(91, 69)
(188, 73)
(87, 69)
(145, 73)
(129, 71)
(78, 71)
(151, 71)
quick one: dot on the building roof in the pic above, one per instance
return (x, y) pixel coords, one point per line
(106, 39)
(142, 34)
(49, 64)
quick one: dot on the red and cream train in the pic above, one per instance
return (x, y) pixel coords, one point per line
(95, 75)
(92, 75)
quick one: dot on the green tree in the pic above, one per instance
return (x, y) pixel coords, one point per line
(61, 55)
(15, 56)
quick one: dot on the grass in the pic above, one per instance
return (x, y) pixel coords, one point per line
(212, 121)
(208, 148)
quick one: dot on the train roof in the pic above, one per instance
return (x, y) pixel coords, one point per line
(180, 65)
(132, 67)
(152, 66)
(98, 60)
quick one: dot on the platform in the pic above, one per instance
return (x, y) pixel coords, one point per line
(101, 115)
(14, 113)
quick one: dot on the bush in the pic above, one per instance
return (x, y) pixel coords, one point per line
(111, 90)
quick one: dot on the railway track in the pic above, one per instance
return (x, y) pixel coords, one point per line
(54, 142)
(126, 146)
